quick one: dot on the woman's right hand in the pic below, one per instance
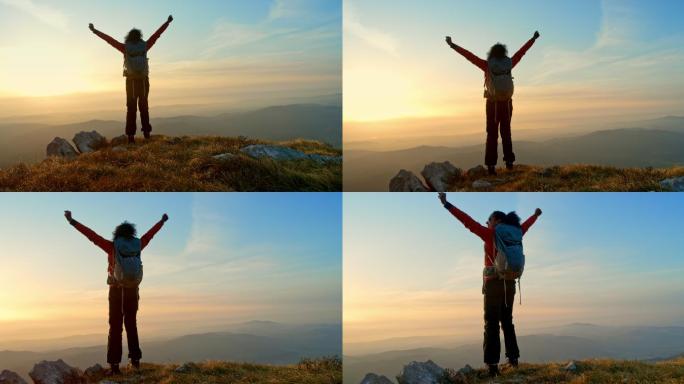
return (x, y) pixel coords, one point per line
(442, 197)
(91, 27)
(165, 217)
(449, 42)
(67, 214)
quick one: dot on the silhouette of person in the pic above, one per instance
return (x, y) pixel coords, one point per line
(499, 110)
(136, 71)
(123, 300)
(499, 295)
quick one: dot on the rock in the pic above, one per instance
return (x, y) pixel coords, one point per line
(421, 373)
(372, 378)
(467, 370)
(478, 171)
(9, 377)
(89, 141)
(95, 372)
(62, 148)
(439, 175)
(225, 156)
(481, 184)
(56, 372)
(406, 181)
(548, 171)
(452, 376)
(119, 140)
(675, 184)
(119, 148)
(571, 366)
(259, 151)
(186, 368)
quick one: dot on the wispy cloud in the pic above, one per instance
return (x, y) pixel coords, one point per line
(373, 37)
(43, 13)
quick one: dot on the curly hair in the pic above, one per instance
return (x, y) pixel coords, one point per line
(134, 36)
(498, 51)
(125, 229)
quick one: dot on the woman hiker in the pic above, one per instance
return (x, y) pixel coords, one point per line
(124, 274)
(136, 71)
(499, 294)
(498, 92)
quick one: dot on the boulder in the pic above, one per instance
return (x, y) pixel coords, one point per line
(61, 148)
(438, 176)
(225, 156)
(95, 372)
(119, 148)
(56, 372)
(421, 373)
(482, 184)
(9, 377)
(675, 184)
(259, 151)
(372, 378)
(478, 171)
(406, 181)
(467, 370)
(89, 141)
(119, 140)
(187, 368)
(571, 366)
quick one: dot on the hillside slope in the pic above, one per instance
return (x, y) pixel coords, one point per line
(179, 164)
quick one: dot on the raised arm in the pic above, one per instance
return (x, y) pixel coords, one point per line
(153, 39)
(528, 223)
(523, 50)
(110, 40)
(472, 225)
(482, 64)
(153, 231)
(98, 240)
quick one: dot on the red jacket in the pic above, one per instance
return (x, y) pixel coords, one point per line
(482, 64)
(483, 232)
(108, 245)
(121, 47)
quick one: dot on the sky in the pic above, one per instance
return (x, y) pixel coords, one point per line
(221, 259)
(411, 270)
(227, 54)
(596, 61)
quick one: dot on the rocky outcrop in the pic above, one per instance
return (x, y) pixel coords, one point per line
(406, 181)
(482, 184)
(119, 140)
(438, 176)
(61, 148)
(571, 366)
(372, 378)
(94, 373)
(9, 377)
(187, 368)
(421, 373)
(89, 141)
(56, 372)
(479, 171)
(675, 184)
(259, 151)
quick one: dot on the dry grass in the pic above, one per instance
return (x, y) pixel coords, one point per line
(178, 164)
(320, 371)
(588, 371)
(580, 178)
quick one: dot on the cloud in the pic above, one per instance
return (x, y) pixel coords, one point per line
(373, 37)
(45, 14)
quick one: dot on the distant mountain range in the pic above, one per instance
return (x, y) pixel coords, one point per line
(256, 342)
(27, 142)
(574, 341)
(657, 143)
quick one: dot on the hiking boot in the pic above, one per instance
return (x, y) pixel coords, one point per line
(113, 370)
(135, 364)
(131, 139)
(493, 370)
(513, 363)
(509, 166)
(147, 135)
(491, 170)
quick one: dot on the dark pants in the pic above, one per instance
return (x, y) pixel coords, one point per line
(137, 91)
(123, 307)
(497, 310)
(499, 115)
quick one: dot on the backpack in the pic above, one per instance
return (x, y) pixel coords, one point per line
(128, 269)
(135, 60)
(499, 84)
(509, 260)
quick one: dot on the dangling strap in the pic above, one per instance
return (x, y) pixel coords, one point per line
(505, 300)
(520, 289)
